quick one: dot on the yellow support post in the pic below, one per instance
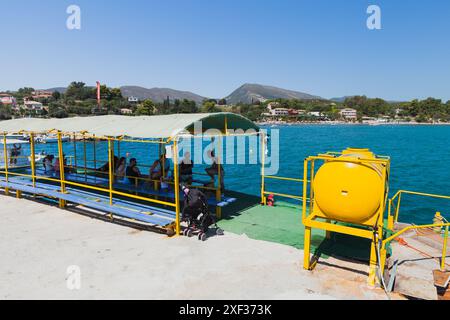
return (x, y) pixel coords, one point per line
(397, 210)
(263, 164)
(219, 179)
(305, 188)
(444, 249)
(311, 185)
(33, 160)
(75, 150)
(226, 125)
(390, 217)
(307, 237)
(110, 171)
(177, 188)
(84, 156)
(307, 248)
(62, 203)
(113, 162)
(5, 159)
(371, 280)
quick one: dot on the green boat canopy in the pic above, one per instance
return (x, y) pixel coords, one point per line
(145, 127)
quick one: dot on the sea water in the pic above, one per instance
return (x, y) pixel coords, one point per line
(420, 160)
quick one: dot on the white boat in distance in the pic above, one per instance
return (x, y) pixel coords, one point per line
(15, 154)
(50, 139)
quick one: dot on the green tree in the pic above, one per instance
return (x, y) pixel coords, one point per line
(78, 91)
(56, 95)
(146, 108)
(209, 107)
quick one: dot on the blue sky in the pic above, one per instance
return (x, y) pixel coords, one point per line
(211, 47)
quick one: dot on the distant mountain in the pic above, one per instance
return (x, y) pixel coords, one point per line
(340, 99)
(58, 89)
(255, 92)
(159, 94)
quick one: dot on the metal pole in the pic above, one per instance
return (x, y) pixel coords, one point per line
(84, 156)
(444, 249)
(75, 150)
(390, 217)
(397, 210)
(307, 237)
(219, 178)
(110, 171)
(311, 189)
(62, 203)
(177, 188)
(5, 157)
(33, 159)
(305, 189)
(226, 125)
(263, 164)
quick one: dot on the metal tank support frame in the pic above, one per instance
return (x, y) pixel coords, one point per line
(371, 229)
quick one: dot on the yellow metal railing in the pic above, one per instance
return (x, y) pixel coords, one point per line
(396, 201)
(265, 192)
(63, 181)
(414, 227)
(71, 162)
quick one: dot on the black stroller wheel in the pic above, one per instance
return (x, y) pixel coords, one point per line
(219, 232)
(189, 233)
(202, 236)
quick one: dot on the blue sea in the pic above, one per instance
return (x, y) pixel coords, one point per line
(420, 160)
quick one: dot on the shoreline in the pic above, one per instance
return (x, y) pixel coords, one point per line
(334, 123)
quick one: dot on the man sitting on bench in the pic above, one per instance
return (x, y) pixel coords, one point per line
(133, 172)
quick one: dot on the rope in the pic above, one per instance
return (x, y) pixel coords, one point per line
(403, 242)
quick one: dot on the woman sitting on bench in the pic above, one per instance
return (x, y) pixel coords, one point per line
(213, 170)
(156, 171)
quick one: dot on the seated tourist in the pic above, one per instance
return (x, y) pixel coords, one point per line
(186, 167)
(133, 172)
(57, 168)
(121, 168)
(156, 170)
(14, 153)
(105, 167)
(213, 170)
(48, 163)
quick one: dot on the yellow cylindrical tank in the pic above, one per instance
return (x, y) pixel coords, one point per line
(349, 192)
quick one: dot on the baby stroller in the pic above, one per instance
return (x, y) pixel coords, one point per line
(196, 214)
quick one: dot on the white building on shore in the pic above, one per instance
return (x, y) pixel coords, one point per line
(7, 99)
(33, 106)
(348, 113)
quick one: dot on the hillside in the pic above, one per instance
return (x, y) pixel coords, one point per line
(255, 92)
(159, 94)
(57, 89)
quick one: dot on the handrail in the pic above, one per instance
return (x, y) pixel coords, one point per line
(284, 178)
(414, 227)
(398, 197)
(265, 192)
(146, 178)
